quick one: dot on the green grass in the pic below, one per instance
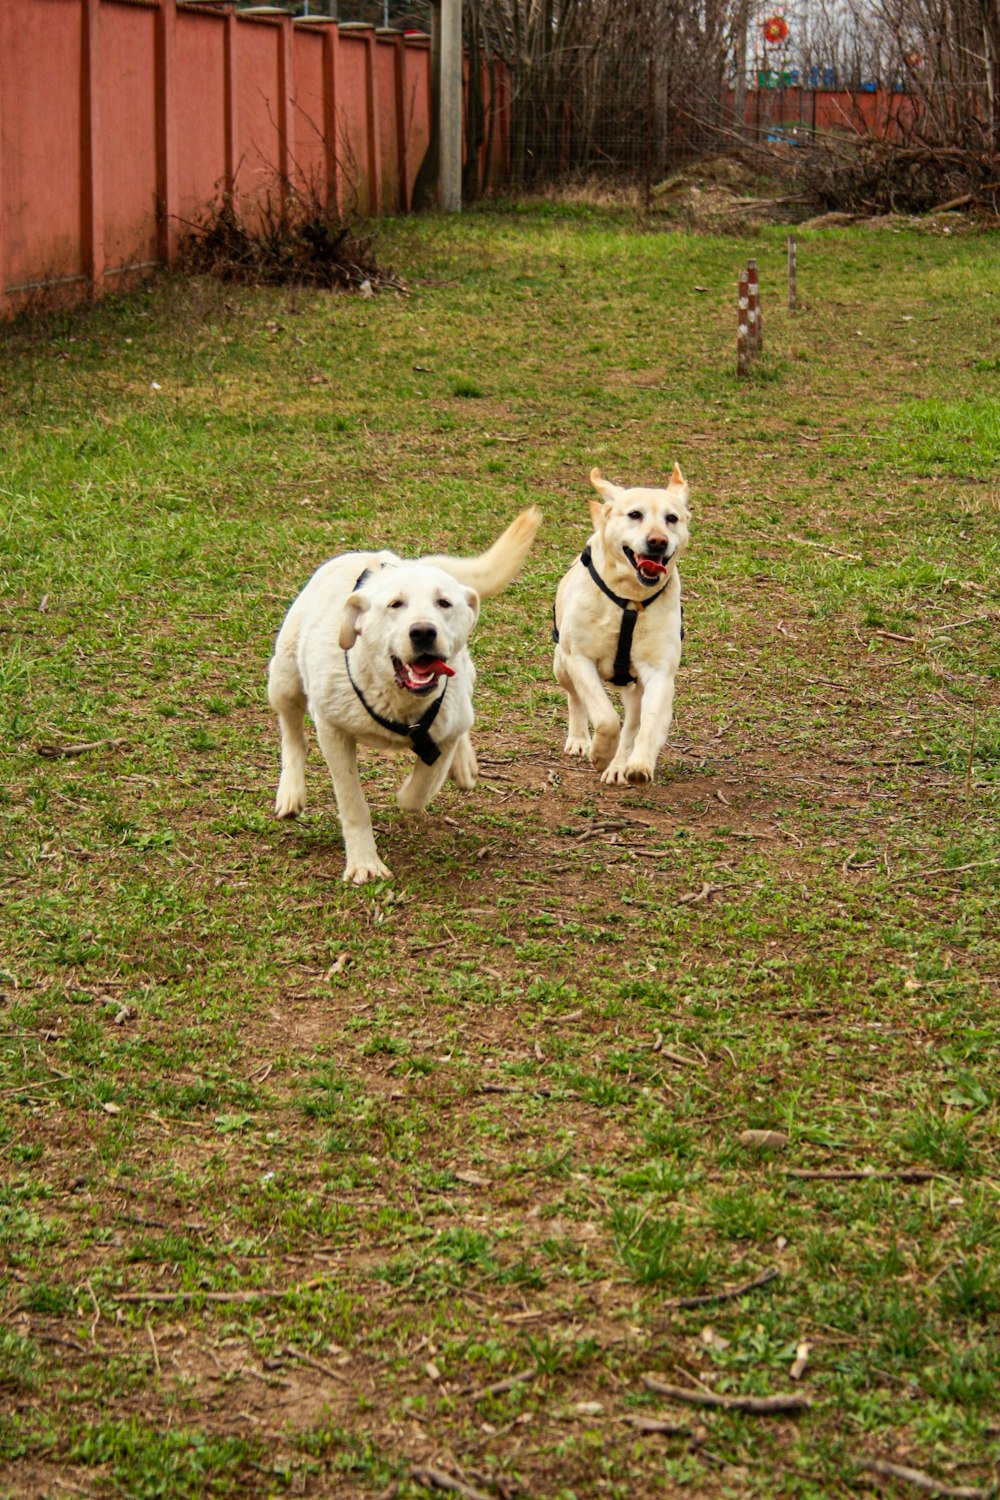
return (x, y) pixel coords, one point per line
(295, 1176)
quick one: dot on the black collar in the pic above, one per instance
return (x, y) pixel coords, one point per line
(418, 734)
(630, 609)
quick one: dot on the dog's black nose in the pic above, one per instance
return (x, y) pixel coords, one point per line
(655, 545)
(423, 635)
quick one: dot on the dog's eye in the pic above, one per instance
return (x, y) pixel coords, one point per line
(671, 520)
(635, 515)
(396, 604)
(444, 604)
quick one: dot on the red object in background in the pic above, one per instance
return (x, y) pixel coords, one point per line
(775, 29)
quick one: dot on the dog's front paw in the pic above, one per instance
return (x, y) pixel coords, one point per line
(639, 772)
(615, 774)
(577, 745)
(464, 770)
(291, 798)
(602, 750)
(369, 867)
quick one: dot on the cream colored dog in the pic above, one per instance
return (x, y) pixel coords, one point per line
(376, 649)
(618, 620)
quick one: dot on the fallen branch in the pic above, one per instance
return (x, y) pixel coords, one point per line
(959, 624)
(258, 1295)
(653, 1424)
(64, 752)
(437, 1479)
(500, 1386)
(760, 1405)
(726, 1296)
(315, 1364)
(922, 1481)
(825, 547)
(707, 889)
(864, 1174)
(977, 864)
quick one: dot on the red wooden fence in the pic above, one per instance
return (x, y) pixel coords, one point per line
(122, 120)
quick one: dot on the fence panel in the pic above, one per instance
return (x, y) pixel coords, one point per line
(126, 85)
(122, 121)
(41, 207)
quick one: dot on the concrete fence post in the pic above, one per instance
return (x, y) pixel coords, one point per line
(286, 93)
(331, 84)
(450, 105)
(373, 139)
(91, 163)
(399, 89)
(230, 105)
(166, 150)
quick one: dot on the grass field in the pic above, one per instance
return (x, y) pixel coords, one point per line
(319, 1191)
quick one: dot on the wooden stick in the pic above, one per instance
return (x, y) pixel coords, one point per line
(242, 1296)
(761, 1405)
(804, 541)
(437, 1479)
(727, 1296)
(902, 1174)
(977, 864)
(60, 752)
(316, 1364)
(500, 1386)
(653, 1424)
(923, 1481)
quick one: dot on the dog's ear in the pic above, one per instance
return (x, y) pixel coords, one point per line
(677, 478)
(608, 491)
(472, 600)
(350, 620)
(598, 513)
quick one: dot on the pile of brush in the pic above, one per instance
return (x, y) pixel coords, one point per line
(288, 241)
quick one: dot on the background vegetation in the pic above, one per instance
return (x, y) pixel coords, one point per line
(316, 1191)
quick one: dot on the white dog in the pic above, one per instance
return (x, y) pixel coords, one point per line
(618, 620)
(376, 649)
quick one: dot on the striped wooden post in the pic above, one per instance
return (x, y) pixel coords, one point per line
(743, 354)
(792, 291)
(754, 322)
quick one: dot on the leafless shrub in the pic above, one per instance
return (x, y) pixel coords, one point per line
(289, 239)
(874, 176)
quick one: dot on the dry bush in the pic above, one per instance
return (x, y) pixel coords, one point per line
(872, 176)
(291, 240)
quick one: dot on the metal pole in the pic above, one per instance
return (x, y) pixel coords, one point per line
(450, 178)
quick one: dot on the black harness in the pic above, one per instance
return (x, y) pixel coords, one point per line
(418, 734)
(630, 608)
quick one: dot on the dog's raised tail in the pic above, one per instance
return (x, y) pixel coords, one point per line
(491, 572)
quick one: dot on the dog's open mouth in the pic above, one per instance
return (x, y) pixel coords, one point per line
(647, 569)
(420, 675)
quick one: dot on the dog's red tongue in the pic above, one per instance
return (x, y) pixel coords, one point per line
(417, 674)
(649, 567)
